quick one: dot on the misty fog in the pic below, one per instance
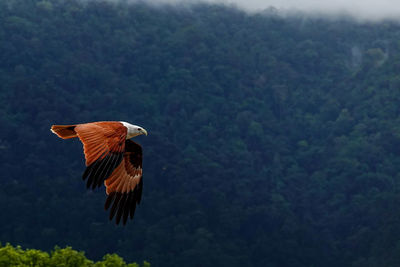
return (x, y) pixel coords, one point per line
(372, 10)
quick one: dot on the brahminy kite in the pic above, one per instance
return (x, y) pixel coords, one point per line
(113, 159)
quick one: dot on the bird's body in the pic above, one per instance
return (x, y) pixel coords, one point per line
(113, 159)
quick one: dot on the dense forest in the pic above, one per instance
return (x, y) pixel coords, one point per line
(273, 141)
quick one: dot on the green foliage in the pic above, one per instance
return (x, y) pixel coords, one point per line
(16, 256)
(272, 141)
(69, 257)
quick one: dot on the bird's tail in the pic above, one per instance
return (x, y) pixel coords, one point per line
(64, 131)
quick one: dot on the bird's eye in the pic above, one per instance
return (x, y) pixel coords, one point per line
(139, 129)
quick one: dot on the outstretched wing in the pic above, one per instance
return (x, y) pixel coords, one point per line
(103, 145)
(124, 186)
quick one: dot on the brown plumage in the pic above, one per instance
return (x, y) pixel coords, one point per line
(112, 159)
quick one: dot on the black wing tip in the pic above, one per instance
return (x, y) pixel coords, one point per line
(109, 200)
(123, 205)
(101, 169)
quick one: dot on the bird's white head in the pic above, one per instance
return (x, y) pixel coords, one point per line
(133, 130)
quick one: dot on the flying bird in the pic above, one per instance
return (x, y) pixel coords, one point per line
(113, 159)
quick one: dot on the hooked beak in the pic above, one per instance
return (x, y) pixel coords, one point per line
(144, 131)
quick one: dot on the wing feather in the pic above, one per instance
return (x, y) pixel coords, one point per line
(103, 146)
(124, 186)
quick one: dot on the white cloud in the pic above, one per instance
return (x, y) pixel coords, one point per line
(363, 9)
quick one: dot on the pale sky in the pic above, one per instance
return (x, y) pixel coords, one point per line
(363, 9)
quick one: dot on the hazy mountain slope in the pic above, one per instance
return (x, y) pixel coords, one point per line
(272, 142)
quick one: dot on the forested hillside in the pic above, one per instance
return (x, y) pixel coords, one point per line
(272, 141)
